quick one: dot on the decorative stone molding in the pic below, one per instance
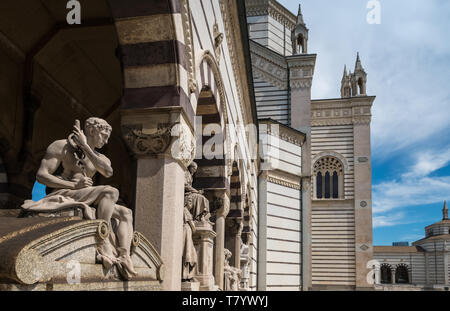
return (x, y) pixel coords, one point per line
(142, 144)
(282, 179)
(273, 9)
(189, 45)
(301, 83)
(232, 35)
(277, 81)
(218, 38)
(344, 111)
(284, 133)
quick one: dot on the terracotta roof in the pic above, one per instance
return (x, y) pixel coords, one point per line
(397, 249)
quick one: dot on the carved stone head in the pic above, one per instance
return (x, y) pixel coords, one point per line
(98, 131)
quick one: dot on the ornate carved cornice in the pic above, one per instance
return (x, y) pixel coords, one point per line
(340, 112)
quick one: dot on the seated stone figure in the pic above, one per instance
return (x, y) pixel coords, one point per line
(74, 188)
(232, 275)
(198, 204)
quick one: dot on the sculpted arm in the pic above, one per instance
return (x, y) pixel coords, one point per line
(102, 163)
(49, 165)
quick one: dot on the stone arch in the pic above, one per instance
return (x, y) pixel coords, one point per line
(234, 219)
(332, 154)
(386, 273)
(208, 74)
(211, 167)
(402, 274)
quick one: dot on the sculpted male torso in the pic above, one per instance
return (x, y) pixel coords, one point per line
(74, 188)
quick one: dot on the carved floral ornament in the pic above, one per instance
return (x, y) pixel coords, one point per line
(158, 142)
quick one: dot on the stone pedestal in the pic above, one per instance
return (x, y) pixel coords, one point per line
(204, 245)
(190, 286)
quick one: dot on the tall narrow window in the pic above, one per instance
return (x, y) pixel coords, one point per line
(327, 185)
(329, 178)
(319, 185)
(335, 185)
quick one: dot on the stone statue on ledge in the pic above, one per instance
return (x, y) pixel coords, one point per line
(189, 252)
(74, 189)
(232, 275)
(197, 202)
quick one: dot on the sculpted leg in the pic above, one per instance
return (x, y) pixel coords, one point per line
(107, 204)
(125, 229)
(124, 235)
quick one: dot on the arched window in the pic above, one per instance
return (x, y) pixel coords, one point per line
(319, 185)
(335, 190)
(329, 178)
(386, 274)
(401, 274)
(300, 43)
(361, 86)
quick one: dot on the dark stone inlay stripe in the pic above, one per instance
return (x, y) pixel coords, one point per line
(212, 162)
(154, 53)
(210, 182)
(133, 8)
(158, 96)
(236, 199)
(207, 101)
(235, 185)
(211, 118)
(2, 168)
(235, 213)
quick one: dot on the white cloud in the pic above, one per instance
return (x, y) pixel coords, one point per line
(428, 162)
(416, 186)
(389, 220)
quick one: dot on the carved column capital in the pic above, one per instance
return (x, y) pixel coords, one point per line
(151, 133)
(143, 143)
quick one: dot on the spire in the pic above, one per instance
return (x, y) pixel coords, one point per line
(445, 211)
(300, 16)
(358, 65)
(345, 72)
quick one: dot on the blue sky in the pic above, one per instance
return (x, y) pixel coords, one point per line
(407, 58)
